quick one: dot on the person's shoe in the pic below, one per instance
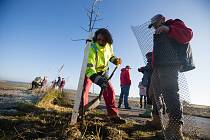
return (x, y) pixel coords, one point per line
(141, 106)
(118, 120)
(155, 123)
(120, 102)
(119, 105)
(128, 107)
(148, 112)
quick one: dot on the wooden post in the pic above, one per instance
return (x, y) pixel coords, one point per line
(92, 19)
(78, 95)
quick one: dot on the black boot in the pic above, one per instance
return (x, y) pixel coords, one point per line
(120, 102)
(140, 105)
(119, 105)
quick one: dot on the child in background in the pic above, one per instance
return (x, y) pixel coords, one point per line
(53, 84)
(142, 93)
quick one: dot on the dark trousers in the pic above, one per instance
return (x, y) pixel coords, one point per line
(34, 85)
(145, 100)
(124, 94)
(149, 98)
(164, 82)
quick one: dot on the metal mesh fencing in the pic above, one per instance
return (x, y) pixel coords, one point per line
(168, 83)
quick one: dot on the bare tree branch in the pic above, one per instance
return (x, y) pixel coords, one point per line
(84, 29)
(92, 15)
(78, 39)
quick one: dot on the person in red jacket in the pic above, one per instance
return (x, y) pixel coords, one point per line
(125, 83)
(170, 35)
(62, 84)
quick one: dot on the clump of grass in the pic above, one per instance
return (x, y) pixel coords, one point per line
(73, 132)
(113, 133)
(34, 125)
(48, 98)
(53, 100)
(27, 108)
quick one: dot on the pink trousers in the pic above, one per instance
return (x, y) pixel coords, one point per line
(108, 94)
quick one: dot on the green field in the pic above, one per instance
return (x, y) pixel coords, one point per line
(14, 85)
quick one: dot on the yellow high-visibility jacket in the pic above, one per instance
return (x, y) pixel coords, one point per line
(98, 58)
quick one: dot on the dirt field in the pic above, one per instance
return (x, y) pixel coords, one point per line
(26, 114)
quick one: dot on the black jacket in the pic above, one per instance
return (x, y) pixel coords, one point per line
(168, 52)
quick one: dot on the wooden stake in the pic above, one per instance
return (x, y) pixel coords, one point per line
(78, 95)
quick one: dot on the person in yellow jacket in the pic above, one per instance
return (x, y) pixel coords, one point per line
(100, 54)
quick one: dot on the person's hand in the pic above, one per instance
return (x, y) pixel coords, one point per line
(162, 29)
(101, 81)
(119, 61)
(141, 69)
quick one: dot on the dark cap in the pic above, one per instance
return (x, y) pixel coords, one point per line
(149, 54)
(155, 19)
(141, 69)
(128, 67)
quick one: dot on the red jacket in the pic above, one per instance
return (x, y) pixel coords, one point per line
(125, 79)
(178, 31)
(62, 83)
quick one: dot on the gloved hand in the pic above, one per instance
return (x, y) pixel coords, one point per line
(119, 61)
(162, 29)
(141, 69)
(101, 81)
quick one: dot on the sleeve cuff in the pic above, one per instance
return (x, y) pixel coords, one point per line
(93, 77)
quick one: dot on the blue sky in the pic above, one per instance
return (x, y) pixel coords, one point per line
(36, 38)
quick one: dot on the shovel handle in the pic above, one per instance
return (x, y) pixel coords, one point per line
(112, 73)
(102, 89)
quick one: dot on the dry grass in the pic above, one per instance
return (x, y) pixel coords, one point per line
(50, 119)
